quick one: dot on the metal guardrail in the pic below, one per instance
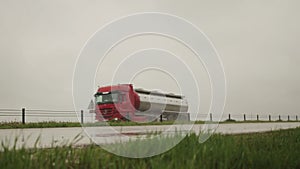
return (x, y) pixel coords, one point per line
(23, 113)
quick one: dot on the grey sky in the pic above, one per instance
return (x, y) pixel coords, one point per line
(257, 42)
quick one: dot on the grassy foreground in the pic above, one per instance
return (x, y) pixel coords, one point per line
(277, 149)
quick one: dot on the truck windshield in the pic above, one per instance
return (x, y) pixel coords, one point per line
(108, 97)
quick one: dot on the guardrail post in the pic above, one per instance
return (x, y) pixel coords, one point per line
(269, 117)
(81, 116)
(279, 118)
(257, 117)
(210, 116)
(23, 115)
(244, 117)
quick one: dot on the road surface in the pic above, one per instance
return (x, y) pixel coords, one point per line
(48, 137)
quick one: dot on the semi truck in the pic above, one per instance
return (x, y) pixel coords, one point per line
(124, 103)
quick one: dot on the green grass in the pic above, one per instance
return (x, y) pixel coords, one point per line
(127, 123)
(52, 124)
(257, 121)
(277, 149)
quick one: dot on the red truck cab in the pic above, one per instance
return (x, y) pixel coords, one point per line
(118, 102)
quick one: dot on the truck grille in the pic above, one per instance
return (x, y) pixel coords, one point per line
(106, 111)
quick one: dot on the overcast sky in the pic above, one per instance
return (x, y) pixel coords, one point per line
(258, 42)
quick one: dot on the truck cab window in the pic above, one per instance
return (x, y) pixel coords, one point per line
(109, 97)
